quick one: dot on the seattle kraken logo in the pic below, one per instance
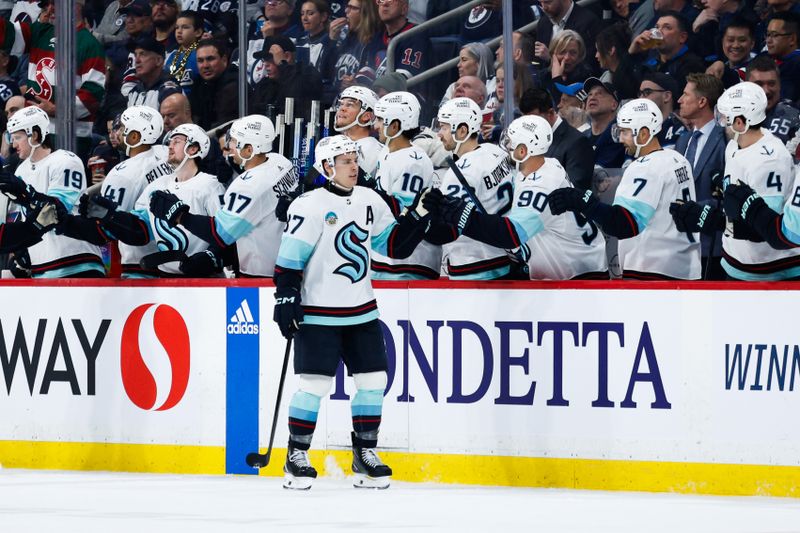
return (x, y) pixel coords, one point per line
(349, 244)
(170, 238)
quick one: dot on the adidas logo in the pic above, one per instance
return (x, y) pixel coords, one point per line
(242, 322)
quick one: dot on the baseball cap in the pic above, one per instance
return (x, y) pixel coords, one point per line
(573, 89)
(591, 83)
(286, 44)
(139, 8)
(148, 43)
(666, 82)
(391, 83)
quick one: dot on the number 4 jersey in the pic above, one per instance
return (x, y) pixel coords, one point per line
(767, 167)
(648, 186)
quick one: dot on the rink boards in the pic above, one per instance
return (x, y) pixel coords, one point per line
(687, 387)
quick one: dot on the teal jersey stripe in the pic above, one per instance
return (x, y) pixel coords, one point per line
(789, 273)
(68, 197)
(231, 227)
(380, 243)
(641, 212)
(340, 321)
(774, 202)
(294, 253)
(791, 224)
(526, 222)
(69, 271)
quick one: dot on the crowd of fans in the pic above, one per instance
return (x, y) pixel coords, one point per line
(576, 69)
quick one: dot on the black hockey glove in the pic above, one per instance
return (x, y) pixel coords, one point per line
(17, 190)
(96, 206)
(448, 210)
(571, 199)
(417, 209)
(692, 217)
(741, 201)
(202, 264)
(166, 205)
(19, 263)
(288, 312)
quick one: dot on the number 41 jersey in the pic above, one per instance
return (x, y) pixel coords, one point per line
(328, 237)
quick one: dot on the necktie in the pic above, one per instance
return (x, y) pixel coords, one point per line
(691, 149)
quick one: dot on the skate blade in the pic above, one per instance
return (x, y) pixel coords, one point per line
(363, 481)
(297, 483)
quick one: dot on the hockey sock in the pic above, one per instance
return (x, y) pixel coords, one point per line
(366, 408)
(303, 410)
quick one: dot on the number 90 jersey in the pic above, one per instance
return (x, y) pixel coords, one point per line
(562, 246)
(329, 237)
(767, 167)
(648, 186)
(490, 173)
(403, 174)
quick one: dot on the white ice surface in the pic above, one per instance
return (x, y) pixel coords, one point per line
(86, 502)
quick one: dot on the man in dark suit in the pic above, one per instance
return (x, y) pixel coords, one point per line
(572, 149)
(703, 145)
(567, 15)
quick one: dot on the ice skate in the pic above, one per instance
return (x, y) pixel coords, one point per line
(298, 472)
(370, 472)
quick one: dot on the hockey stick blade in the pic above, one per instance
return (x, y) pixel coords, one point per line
(257, 460)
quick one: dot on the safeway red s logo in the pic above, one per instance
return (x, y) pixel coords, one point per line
(154, 357)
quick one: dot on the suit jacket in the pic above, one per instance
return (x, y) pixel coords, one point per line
(581, 20)
(575, 153)
(710, 161)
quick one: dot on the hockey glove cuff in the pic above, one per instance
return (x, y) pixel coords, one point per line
(288, 312)
(692, 217)
(572, 199)
(166, 205)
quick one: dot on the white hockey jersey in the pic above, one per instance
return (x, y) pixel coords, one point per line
(124, 184)
(648, 186)
(490, 173)
(61, 175)
(369, 148)
(403, 174)
(247, 216)
(202, 193)
(330, 238)
(767, 167)
(562, 247)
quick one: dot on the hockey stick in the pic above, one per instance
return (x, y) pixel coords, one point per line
(156, 259)
(258, 460)
(463, 181)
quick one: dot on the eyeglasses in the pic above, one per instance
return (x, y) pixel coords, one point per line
(348, 7)
(774, 34)
(644, 93)
(382, 2)
(274, 2)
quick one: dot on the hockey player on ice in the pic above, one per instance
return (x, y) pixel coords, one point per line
(759, 183)
(147, 161)
(247, 217)
(324, 299)
(561, 247)
(60, 175)
(489, 174)
(651, 247)
(403, 172)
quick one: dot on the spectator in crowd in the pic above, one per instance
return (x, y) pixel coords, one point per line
(612, 55)
(561, 15)
(782, 39)
(153, 83)
(571, 106)
(492, 128)
(138, 24)
(8, 86)
(412, 57)
(783, 120)
(164, 16)
(111, 28)
(476, 59)
(641, 18)
(315, 47)
(113, 102)
(672, 55)
(686, 9)
(181, 63)
(389, 83)
(738, 42)
(38, 40)
(703, 146)
(569, 147)
(217, 77)
(361, 20)
(473, 88)
(712, 22)
(523, 44)
(9, 156)
(485, 21)
(175, 110)
(285, 78)
(601, 104)
(663, 91)
(277, 21)
(567, 65)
